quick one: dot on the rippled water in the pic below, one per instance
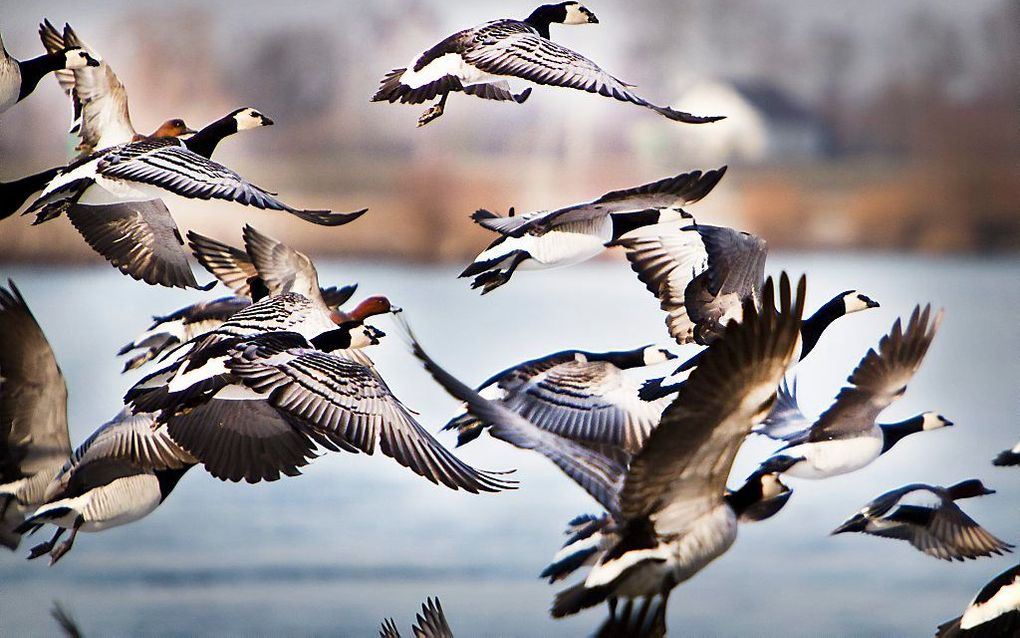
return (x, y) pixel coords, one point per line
(359, 538)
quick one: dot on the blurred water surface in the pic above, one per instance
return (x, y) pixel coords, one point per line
(359, 538)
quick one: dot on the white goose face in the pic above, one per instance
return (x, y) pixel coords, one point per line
(771, 486)
(365, 335)
(653, 355)
(577, 13)
(78, 58)
(249, 118)
(932, 421)
(667, 215)
(854, 301)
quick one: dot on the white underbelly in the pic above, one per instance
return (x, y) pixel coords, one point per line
(708, 538)
(831, 458)
(449, 64)
(10, 82)
(123, 501)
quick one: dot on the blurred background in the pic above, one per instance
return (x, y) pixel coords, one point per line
(854, 125)
(874, 145)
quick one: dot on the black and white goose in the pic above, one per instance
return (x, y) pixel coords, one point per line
(33, 414)
(927, 517)
(430, 623)
(118, 475)
(994, 612)
(583, 396)
(99, 102)
(262, 408)
(572, 234)
(676, 515)
(670, 510)
(1008, 457)
(846, 437)
(113, 199)
(480, 61)
(701, 275)
(279, 267)
(18, 78)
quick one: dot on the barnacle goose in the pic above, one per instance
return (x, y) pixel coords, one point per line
(927, 518)
(994, 612)
(18, 78)
(572, 234)
(846, 437)
(480, 61)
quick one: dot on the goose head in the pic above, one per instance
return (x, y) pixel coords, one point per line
(933, 421)
(653, 355)
(248, 118)
(562, 13)
(854, 301)
(173, 128)
(577, 13)
(78, 58)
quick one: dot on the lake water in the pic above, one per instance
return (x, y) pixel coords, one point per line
(357, 538)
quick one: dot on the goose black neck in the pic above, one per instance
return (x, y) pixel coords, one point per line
(746, 497)
(13, 194)
(205, 141)
(967, 489)
(33, 70)
(623, 359)
(893, 433)
(545, 15)
(811, 329)
(623, 223)
(336, 339)
(168, 480)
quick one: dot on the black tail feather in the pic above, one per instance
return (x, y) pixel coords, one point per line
(14, 194)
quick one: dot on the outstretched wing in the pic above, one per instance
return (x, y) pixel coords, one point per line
(880, 378)
(514, 49)
(282, 268)
(33, 394)
(337, 395)
(687, 459)
(230, 265)
(785, 422)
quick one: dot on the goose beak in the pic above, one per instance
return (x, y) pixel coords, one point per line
(189, 131)
(871, 303)
(396, 309)
(266, 121)
(855, 524)
(592, 19)
(91, 61)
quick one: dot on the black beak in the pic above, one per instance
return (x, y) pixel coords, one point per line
(91, 61)
(670, 356)
(592, 19)
(946, 422)
(855, 524)
(871, 303)
(266, 121)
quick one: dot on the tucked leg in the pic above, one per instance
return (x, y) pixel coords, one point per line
(433, 111)
(65, 547)
(43, 548)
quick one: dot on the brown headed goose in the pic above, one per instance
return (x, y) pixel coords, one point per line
(927, 517)
(701, 275)
(572, 234)
(118, 475)
(994, 612)
(261, 408)
(846, 437)
(279, 267)
(481, 60)
(584, 396)
(33, 414)
(18, 78)
(112, 198)
(670, 513)
(430, 623)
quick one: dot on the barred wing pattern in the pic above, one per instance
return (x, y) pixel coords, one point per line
(516, 49)
(167, 163)
(335, 394)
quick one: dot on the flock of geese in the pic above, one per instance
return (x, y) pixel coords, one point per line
(253, 386)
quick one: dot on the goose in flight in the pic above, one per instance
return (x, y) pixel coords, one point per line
(583, 396)
(33, 414)
(572, 234)
(1008, 457)
(846, 437)
(430, 623)
(113, 198)
(994, 612)
(278, 266)
(669, 508)
(18, 78)
(262, 407)
(480, 61)
(120, 474)
(927, 517)
(701, 275)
